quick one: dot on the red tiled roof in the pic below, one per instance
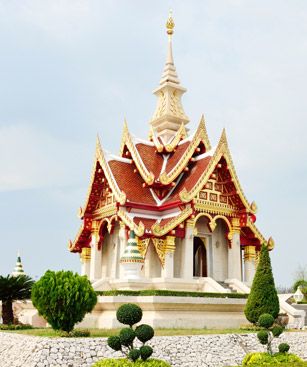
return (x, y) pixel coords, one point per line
(176, 156)
(190, 178)
(131, 183)
(152, 159)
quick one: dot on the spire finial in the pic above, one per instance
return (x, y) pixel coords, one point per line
(170, 24)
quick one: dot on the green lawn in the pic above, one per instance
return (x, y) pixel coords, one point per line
(159, 332)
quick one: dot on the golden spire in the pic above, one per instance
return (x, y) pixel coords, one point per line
(169, 114)
(170, 24)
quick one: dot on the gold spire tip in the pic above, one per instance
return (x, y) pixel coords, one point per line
(170, 24)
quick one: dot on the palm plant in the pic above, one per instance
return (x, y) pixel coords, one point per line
(13, 288)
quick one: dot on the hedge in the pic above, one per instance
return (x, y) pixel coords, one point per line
(162, 292)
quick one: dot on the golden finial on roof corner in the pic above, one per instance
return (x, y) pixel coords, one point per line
(170, 24)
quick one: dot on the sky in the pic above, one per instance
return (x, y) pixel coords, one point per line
(70, 69)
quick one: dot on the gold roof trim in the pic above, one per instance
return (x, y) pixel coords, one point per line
(120, 196)
(72, 244)
(222, 150)
(180, 134)
(251, 225)
(152, 135)
(200, 136)
(159, 231)
(139, 230)
(127, 140)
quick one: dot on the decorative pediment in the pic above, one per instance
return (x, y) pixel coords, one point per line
(221, 153)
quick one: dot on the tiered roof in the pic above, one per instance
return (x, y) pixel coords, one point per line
(154, 186)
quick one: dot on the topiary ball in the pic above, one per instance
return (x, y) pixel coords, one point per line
(144, 333)
(277, 330)
(283, 348)
(266, 320)
(146, 352)
(126, 336)
(129, 314)
(114, 343)
(134, 354)
(263, 336)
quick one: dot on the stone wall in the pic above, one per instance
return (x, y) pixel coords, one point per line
(18, 350)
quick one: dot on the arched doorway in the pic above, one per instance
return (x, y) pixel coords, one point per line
(200, 258)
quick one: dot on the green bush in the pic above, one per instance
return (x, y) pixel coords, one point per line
(78, 333)
(283, 348)
(126, 336)
(146, 352)
(266, 320)
(63, 298)
(263, 297)
(270, 331)
(263, 336)
(265, 359)
(144, 333)
(167, 293)
(126, 363)
(277, 330)
(15, 327)
(129, 314)
(134, 354)
(114, 343)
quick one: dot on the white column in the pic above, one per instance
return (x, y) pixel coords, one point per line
(85, 258)
(122, 245)
(168, 269)
(96, 258)
(187, 252)
(234, 253)
(249, 264)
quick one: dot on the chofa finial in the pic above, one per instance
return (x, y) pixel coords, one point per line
(170, 24)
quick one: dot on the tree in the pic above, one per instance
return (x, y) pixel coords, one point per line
(263, 297)
(63, 298)
(13, 288)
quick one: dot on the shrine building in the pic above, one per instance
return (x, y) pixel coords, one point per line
(169, 211)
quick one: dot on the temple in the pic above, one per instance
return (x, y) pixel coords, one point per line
(168, 212)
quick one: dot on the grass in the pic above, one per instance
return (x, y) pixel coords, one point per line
(48, 332)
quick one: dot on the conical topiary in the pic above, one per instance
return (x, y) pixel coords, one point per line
(263, 296)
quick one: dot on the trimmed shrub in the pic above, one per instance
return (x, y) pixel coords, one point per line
(266, 320)
(146, 352)
(79, 333)
(127, 336)
(283, 348)
(277, 330)
(271, 331)
(263, 336)
(134, 354)
(15, 327)
(265, 359)
(168, 293)
(63, 298)
(126, 363)
(263, 297)
(129, 314)
(114, 343)
(144, 332)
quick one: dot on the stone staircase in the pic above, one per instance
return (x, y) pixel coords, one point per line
(228, 288)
